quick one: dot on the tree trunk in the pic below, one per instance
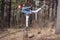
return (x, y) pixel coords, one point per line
(8, 11)
(58, 19)
(2, 14)
(2, 9)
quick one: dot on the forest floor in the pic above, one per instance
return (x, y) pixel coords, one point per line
(34, 33)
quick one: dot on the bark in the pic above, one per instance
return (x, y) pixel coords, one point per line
(2, 14)
(58, 19)
(2, 9)
(8, 11)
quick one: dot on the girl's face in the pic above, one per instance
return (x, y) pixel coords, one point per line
(20, 6)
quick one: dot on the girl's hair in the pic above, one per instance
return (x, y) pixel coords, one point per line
(21, 4)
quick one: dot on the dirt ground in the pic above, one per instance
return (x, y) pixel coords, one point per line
(33, 33)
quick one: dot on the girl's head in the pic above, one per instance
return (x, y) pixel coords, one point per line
(20, 6)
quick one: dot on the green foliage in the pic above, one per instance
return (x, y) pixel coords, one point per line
(13, 0)
(22, 1)
(41, 3)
